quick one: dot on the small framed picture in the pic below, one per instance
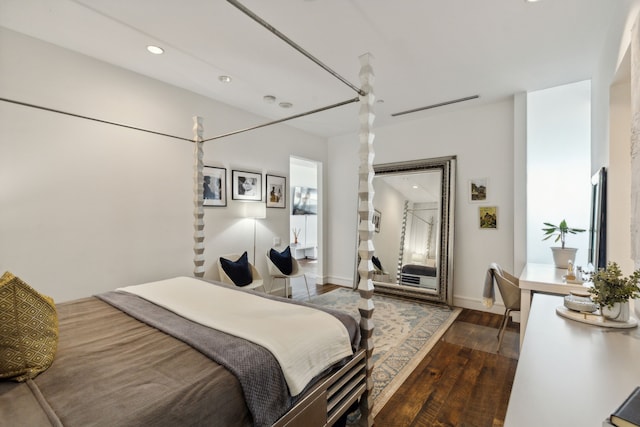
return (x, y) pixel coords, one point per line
(215, 186)
(276, 190)
(246, 185)
(376, 220)
(488, 216)
(478, 190)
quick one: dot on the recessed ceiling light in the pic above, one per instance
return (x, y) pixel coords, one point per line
(285, 105)
(156, 50)
(415, 187)
(225, 79)
(269, 99)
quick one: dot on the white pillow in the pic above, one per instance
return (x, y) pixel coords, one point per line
(418, 258)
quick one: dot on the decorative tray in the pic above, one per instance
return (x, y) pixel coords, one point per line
(595, 319)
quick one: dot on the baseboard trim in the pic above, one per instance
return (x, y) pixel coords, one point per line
(476, 304)
(340, 281)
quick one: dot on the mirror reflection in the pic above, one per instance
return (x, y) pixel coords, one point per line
(414, 227)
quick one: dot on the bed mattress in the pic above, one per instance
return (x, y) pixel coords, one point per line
(111, 369)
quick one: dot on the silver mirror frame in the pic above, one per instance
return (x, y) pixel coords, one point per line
(447, 165)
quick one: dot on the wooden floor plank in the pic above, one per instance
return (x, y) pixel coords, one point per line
(485, 405)
(426, 389)
(458, 398)
(503, 400)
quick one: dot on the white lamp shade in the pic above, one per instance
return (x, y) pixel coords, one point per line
(257, 210)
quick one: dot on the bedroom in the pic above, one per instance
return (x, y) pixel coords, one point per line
(94, 206)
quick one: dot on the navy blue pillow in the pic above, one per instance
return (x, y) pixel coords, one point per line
(238, 271)
(282, 260)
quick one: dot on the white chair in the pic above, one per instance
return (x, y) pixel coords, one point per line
(296, 271)
(257, 281)
(509, 289)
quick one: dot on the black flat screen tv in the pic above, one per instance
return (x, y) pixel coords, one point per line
(598, 228)
(305, 201)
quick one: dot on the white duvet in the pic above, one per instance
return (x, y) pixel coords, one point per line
(305, 341)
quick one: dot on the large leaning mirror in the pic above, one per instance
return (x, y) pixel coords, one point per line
(413, 239)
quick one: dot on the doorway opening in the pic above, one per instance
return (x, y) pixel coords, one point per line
(305, 217)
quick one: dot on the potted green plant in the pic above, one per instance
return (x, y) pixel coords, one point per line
(611, 291)
(561, 255)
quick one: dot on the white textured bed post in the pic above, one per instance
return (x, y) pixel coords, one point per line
(366, 227)
(198, 198)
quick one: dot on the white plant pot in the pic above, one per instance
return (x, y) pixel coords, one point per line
(619, 312)
(636, 307)
(562, 256)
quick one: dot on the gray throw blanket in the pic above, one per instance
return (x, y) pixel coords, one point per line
(488, 292)
(265, 389)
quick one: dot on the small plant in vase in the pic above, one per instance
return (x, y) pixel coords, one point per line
(611, 291)
(561, 255)
(296, 234)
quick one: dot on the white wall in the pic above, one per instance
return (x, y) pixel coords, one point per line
(519, 181)
(87, 207)
(482, 138)
(610, 133)
(613, 50)
(619, 179)
(342, 205)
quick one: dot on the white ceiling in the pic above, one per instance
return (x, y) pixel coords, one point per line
(426, 51)
(418, 187)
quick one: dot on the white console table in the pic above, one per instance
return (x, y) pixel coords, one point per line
(303, 251)
(571, 373)
(545, 278)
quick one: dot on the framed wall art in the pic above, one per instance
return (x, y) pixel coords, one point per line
(304, 201)
(214, 187)
(376, 220)
(246, 185)
(276, 191)
(478, 190)
(488, 216)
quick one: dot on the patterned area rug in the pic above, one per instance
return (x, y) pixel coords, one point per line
(404, 333)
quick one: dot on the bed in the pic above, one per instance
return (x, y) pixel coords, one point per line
(124, 360)
(84, 387)
(112, 369)
(422, 275)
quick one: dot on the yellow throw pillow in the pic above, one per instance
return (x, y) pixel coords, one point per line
(28, 330)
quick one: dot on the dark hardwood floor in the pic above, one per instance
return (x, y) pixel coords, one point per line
(463, 381)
